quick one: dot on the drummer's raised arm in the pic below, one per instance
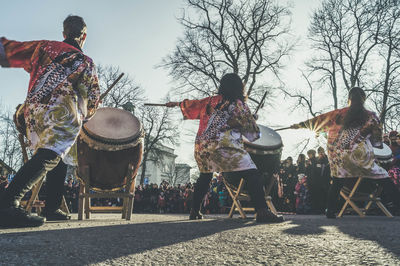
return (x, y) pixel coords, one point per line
(321, 122)
(192, 109)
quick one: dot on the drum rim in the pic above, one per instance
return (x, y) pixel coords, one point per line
(264, 148)
(106, 140)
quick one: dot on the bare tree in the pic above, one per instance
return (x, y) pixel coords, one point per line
(247, 37)
(126, 91)
(160, 128)
(11, 152)
(343, 34)
(385, 92)
(304, 100)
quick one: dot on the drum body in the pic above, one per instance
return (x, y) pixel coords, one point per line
(266, 154)
(110, 142)
(383, 156)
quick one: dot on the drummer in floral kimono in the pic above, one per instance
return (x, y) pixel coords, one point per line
(63, 92)
(352, 133)
(219, 147)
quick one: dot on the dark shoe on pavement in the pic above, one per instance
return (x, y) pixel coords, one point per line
(14, 217)
(330, 214)
(195, 215)
(266, 216)
(57, 215)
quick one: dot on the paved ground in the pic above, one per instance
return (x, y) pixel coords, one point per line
(173, 240)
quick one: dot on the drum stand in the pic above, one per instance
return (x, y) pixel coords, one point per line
(34, 201)
(351, 195)
(237, 195)
(85, 195)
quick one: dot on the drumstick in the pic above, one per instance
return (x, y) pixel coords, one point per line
(261, 104)
(282, 128)
(155, 104)
(112, 85)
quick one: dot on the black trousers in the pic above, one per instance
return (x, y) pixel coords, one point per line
(254, 186)
(47, 163)
(337, 184)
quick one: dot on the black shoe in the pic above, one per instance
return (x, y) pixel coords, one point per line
(330, 214)
(57, 215)
(266, 216)
(195, 215)
(13, 217)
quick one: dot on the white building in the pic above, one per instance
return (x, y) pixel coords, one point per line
(162, 166)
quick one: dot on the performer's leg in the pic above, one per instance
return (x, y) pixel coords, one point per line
(200, 190)
(333, 196)
(28, 175)
(54, 188)
(255, 187)
(390, 189)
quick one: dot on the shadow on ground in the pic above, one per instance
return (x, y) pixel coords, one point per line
(101, 243)
(384, 231)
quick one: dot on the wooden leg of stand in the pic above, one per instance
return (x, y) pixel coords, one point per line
(81, 207)
(35, 192)
(83, 190)
(271, 205)
(349, 201)
(383, 208)
(130, 198)
(232, 196)
(124, 207)
(87, 202)
(238, 205)
(64, 205)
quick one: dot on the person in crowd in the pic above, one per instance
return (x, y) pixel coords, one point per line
(303, 205)
(395, 147)
(352, 133)
(3, 183)
(386, 139)
(63, 92)
(320, 182)
(289, 180)
(219, 147)
(301, 164)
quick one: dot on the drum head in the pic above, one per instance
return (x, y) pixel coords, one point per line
(384, 153)
(269, 140)
(114, 125)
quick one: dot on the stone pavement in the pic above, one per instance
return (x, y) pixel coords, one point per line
(164, 239)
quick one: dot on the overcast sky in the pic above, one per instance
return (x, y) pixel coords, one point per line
(135, 35)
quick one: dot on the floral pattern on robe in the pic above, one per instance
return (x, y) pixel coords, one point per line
(350, 151)
(219, 145)
(63, 92)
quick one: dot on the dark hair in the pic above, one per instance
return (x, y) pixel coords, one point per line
(311, 152)
(357, 115)
(74, 27)
(301, 158)
(231, 87)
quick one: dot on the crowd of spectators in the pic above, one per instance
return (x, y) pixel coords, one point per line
(302, 187)
(163, 198)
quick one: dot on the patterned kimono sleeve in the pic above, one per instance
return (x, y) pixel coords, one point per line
(322, 122)
(242, 119)
(376, 130)
(191, 109)
(17, 54)
(93, 89)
